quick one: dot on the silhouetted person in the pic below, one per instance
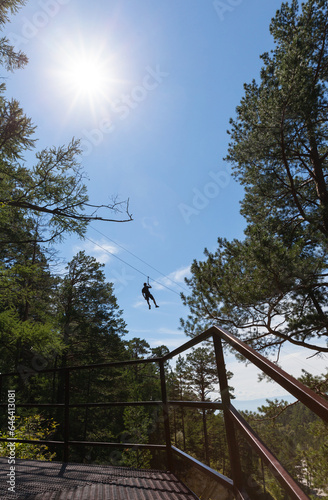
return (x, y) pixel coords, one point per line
(147, 295)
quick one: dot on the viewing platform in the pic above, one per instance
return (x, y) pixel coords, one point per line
(36, 480)
(70, 480)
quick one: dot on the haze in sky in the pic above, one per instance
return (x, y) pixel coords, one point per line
(149, 88)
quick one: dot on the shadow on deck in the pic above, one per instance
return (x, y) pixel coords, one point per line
(59, 481)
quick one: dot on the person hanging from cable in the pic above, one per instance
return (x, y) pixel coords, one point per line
(147, 295)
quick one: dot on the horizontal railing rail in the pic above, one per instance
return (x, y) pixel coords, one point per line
(209, 405)
(233, 419)
(110, 364)
(86, 405)
(147, 446)
(224, 480)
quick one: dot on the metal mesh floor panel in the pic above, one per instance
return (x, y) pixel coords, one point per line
(56, 481)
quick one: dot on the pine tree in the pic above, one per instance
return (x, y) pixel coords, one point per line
(89, 316)
(9, 58)
(180, 390)
(202, 373)
(271, 288)
(28, 323)
(91, 325)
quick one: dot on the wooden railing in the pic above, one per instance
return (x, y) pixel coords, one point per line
(232, 418)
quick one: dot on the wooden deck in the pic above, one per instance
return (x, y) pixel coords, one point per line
(56, 481)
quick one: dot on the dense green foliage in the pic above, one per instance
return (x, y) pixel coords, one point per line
(271, 287)
(33, 427)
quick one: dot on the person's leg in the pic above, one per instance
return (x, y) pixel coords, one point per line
(152, 298)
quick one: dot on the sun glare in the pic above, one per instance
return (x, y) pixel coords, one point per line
(87, 78)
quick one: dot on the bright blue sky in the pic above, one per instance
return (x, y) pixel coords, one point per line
(154, 131)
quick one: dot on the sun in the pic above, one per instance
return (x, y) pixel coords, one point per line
(87, 77)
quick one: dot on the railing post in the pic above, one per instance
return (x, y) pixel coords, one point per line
(229, 425)
(166, 417)
(66, 416)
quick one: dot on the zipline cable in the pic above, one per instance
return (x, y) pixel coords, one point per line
(144, 262)
(138, 271)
